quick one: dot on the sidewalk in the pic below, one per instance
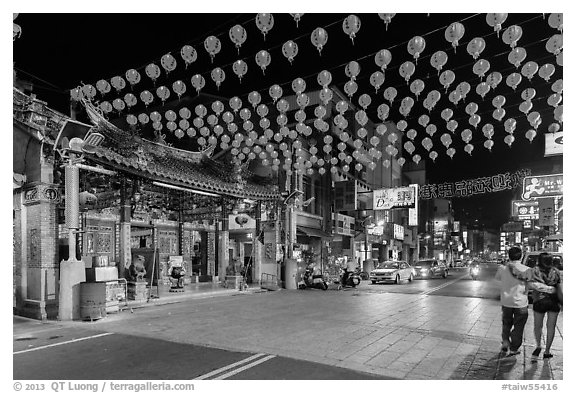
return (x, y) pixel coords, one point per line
(406, 336)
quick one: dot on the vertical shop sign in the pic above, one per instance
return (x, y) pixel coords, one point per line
(546, 207)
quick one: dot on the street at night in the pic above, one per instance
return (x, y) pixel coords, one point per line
(364, 331)
(334, 195)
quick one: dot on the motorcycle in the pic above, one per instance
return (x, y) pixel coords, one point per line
(474, 272)
(349, 279)
(311, 280)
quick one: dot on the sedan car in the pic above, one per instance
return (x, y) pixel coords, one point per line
(427, 268)
(392, 271)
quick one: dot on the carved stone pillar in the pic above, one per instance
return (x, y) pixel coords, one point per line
(39, 239)
(223, 243)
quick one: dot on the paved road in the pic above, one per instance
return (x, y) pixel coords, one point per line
(458, 283)
(428, 329)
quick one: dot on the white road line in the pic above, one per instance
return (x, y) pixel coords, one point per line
(246, 367)
(61, 343)
(228, 367)
(441, 286)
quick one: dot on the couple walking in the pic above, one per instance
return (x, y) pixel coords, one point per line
(515, 279)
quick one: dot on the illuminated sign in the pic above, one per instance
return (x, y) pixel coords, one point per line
(481, 185)
(543, 186)
(554, 144)
(398, 232)
(546, 211)
(525, 210)
(390, 198)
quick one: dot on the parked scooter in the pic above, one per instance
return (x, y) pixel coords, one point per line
(474, 271)
(349, 279)
(311, 280)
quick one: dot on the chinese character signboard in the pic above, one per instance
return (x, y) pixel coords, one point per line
(398, 232)
(543, 186)
(345, 195)
(525, 210)
(546, 206)
(481, 185)
(390, 198)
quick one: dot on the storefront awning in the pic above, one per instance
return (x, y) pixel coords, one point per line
(312, 232)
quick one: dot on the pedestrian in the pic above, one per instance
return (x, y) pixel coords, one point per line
(544, 304)
(514, 301)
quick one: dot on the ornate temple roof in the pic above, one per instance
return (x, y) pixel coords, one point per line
(125, 151)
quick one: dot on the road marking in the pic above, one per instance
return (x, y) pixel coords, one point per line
(62, 343)
(441, 286)
(228, 367)
(246, 367)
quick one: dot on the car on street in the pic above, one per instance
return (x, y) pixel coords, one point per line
(427, 268)
(530, 259)
(392, 271)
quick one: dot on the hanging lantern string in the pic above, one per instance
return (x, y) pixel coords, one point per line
(344, 64)
(207, 72)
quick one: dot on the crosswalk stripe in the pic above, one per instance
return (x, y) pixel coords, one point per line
(61, 343)
(246, 367)
(228, 367)
(441, 286)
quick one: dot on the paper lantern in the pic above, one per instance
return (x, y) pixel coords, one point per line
(423, 120)
(168, 62)
(431, 129)
(546, 71)
(152, 71)
(512, 35)
(447, 78)
(556, 21)
(481, 67)
(447, 114)
(517, 56)
(433, 155)
(188, 54)
(390, 93)
(494, 79)
(454, 33)
(468, 148)
(496, 20)
(103, 86)
(298, 85)
(406, 70)
(179, 88)
(163, 93)
(530, 69)
(319, 38)
(488, 130)
(377, 79)
(450, 152)
(509, 139)
(499, 101)
(438, 60)
(237, 35)
(290, 50)
(387, 18)
(132, 76)
(488, 144)
(275, 92)
(475, 47)
(382, 58)
(146, 97)
(452, 125)
(530, 135)
(240, 68)
(351, 26)
(213, 46)
(416, 45)
(352, 70)
(198, 82)
(264, 22)
(117, 82)
(513, 80)
(297, 18)
(263, 60)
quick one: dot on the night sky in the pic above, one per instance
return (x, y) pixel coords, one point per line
(58, 52)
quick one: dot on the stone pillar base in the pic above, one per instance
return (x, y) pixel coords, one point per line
(72, 273)
(36, 309)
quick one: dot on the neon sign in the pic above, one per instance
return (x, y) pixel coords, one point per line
(481, 185)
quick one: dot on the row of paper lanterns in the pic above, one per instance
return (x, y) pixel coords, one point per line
(290, 49)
